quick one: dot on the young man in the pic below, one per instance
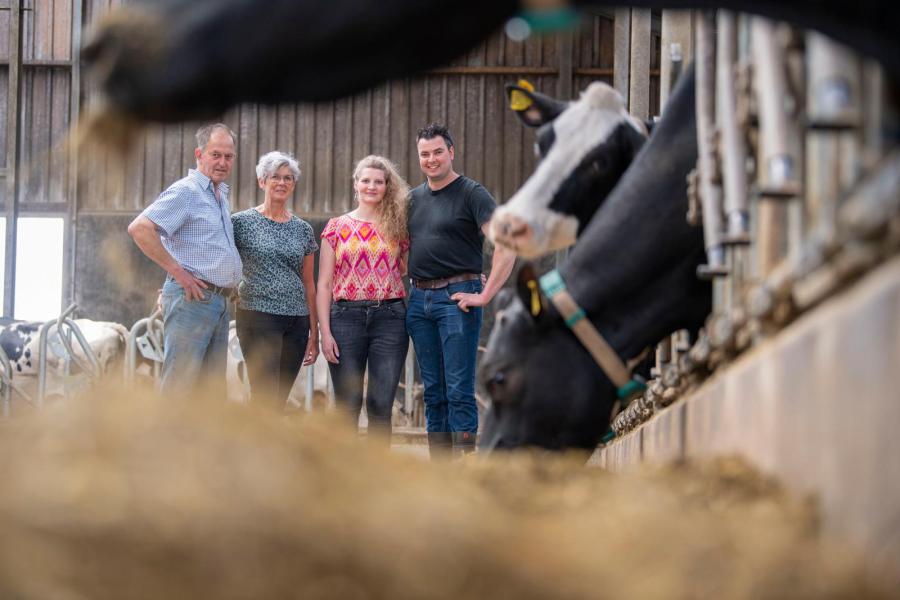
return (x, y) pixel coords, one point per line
(448, 216)
(187, 231)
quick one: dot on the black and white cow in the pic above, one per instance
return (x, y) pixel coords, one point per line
(634, 274)
(173, 60)
(599, 141)
(20, 342)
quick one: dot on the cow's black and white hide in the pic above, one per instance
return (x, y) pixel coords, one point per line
(634, 274)
(174, 60)
(21, 344)
(584, 146)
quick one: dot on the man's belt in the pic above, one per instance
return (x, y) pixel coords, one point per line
(436, 284)
(225, 292)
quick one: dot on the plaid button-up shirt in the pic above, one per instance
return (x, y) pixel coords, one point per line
(195, 228)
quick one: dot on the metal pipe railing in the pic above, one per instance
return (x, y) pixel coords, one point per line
(710, 193)
(64, 327)
(732, 149)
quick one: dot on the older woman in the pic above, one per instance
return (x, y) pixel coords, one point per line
(276, 313)
(360, 296)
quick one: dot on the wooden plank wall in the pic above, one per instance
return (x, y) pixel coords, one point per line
(329, 137)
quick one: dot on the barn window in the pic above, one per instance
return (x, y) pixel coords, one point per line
(39, 267)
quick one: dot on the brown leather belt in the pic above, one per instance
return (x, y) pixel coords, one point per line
(436, 284)
(225, 292)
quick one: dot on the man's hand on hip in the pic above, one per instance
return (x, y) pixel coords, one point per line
(193, 287)
(465, 300)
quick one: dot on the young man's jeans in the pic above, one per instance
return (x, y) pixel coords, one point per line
(446, 343)
(374, 334)
(195, 340)
(273, 348)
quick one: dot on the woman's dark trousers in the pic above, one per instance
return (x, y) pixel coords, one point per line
(369, 334)
(273, 348)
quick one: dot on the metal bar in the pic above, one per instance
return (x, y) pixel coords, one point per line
(409, 381)
(6, 375)
(131, 349)
(779, 165)
(622, 51)
(710, 193)
(69, 290)
(13, 119)
(310, 387)
(833, 72)
(732, 150)
(639, 64)
(677, 37)
(775, 169)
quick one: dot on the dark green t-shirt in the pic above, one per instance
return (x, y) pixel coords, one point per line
(445, 236)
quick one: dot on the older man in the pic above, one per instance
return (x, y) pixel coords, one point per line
(448, 219)
(187, 231)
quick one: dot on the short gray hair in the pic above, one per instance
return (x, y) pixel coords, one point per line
(205, 132)
(272, 161)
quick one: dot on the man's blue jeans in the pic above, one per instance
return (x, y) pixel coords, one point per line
(195, 340)
(446, 342)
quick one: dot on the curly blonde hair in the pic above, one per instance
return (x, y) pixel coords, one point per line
(391, 220)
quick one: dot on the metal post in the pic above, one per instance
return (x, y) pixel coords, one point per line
(410, 381)
(677, 39)
(310, 387)
(74, 114)
(778, 168)
(732, 149)
(639, 69)
(13, 120)
(710, 193)
(622, 51)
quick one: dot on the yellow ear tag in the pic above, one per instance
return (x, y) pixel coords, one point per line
(535, 298)
(519, 101)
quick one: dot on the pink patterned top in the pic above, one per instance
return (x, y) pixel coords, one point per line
(366, 266)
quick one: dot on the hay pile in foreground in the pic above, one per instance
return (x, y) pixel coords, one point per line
(136, 498)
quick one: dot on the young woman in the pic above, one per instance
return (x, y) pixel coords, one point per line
(360, 296)
(276, 314)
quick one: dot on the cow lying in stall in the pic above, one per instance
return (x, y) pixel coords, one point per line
(572, 180)
(20, 342)
(633, 272)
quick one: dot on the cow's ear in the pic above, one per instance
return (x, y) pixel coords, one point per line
(530, 291)
(533, 108)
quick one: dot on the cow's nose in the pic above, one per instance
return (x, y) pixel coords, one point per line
(511, 227)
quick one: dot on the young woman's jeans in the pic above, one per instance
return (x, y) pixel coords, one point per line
(273, 348)
(195, 339)
(373, 334)
(446, 343)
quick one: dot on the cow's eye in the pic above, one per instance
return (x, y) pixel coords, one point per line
(495, 384)
(600, 164)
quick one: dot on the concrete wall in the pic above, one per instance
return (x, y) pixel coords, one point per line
(818, 406)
